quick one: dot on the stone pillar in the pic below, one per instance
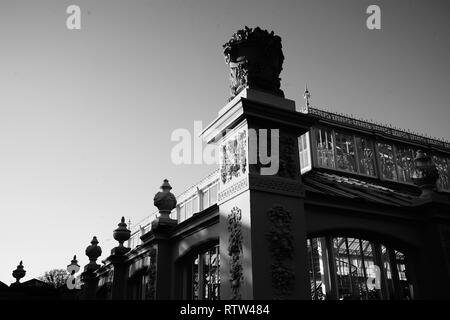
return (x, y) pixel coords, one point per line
(262, 219)
(157, 240)
(161, 264)
(118, 259)
(435, 233)
(89, 276)
(435, 262)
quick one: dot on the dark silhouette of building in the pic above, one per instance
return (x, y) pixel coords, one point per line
(35, 289)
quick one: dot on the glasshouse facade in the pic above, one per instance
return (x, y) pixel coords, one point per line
(355, 210)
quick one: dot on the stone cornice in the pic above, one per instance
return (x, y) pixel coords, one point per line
(248, 104)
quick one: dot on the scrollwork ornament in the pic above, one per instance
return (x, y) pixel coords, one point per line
(235, 251)
(281, 246)
(152, 275)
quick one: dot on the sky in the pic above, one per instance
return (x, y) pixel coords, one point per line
(86, 116)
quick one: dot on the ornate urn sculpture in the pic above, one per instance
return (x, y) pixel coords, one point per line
(165, 200)
(93, 252)
(255, 59)
(19, 273)
(424, 174)
(121, 234)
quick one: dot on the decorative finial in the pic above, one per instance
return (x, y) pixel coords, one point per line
(424, 173)
(166, 185)
(165, 200)
(19, 273)
(122, 234)
(73, 267)
(93, 252)
(307, 97)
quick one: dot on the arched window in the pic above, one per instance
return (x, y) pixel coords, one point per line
(205, 274)
(342, 268)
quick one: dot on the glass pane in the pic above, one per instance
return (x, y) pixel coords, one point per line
(182, 213)
(406, 288)
(213, 195)
(206, 275)
(442, 167)
(209, 274)
(405, 164)
(325, 146)
(345, 270)
(195, 277)
(385, 257)
(218, 273)
(205, 199)
(214, 272)
(318, 269)
(367, 248)
(386, 154)
(188, 209)
(345, 152)
(195, 205)
(365, 156)
(304, 151)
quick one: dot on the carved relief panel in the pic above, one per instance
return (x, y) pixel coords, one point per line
(233, 163)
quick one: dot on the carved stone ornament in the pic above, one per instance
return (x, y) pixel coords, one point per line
(288, 166)
(288, 153)
(255, 58)
(234, 157)
(277, 185)
(235, 251)
(281, 245)
(233, 189)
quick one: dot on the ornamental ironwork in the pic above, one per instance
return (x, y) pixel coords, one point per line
(379, 128)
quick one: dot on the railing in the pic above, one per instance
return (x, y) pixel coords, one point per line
(386, 130)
